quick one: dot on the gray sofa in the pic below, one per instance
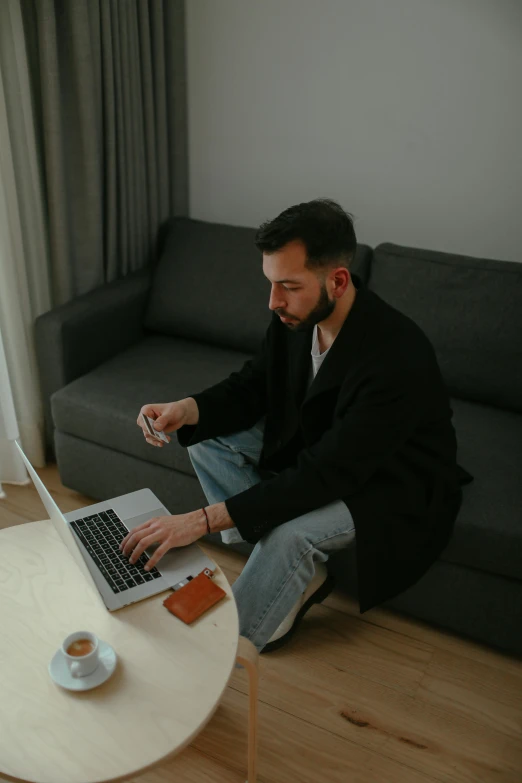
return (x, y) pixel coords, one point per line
(200, 311)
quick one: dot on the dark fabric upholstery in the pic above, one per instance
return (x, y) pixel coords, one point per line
(79, 335)
(488, 531)
(103, 405)
(209, 285)
(102, 473)
(471, 310)
(482, 606)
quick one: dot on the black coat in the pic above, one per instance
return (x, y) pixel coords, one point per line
(374, 430)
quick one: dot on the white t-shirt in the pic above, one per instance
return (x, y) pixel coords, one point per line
(317, 357)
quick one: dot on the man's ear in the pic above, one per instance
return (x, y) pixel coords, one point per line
(341, 280)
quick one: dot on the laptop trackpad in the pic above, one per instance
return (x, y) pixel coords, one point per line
(141, 518)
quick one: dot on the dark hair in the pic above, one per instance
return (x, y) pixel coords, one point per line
(322, 225)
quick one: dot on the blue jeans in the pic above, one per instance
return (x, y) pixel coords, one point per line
(281, 564)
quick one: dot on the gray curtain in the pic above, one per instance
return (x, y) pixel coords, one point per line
(108, 81)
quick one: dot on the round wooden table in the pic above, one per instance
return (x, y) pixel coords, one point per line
(167, 685)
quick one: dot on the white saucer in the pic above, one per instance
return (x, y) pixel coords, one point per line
(60, 673)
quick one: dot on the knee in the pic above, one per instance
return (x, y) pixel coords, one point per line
(286, 538)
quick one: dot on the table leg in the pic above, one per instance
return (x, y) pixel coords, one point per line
(248, 657)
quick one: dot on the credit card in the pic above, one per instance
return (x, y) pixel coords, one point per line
(149, 423)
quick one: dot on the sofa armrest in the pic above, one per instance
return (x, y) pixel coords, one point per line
(76, 337)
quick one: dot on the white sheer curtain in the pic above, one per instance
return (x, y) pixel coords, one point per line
(24, 259)
(11, 467)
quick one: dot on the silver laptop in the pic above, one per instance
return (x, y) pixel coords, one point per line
(93, 534)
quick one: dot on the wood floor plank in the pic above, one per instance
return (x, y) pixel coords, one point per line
(194, 766)
(423, 631)
(9, 517)
(436, 742)
(23, 508)
(293, 750)
(378, 654)
(26, 504)
(474, 690)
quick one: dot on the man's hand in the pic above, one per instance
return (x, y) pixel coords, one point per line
(168, 532)
(168, 417)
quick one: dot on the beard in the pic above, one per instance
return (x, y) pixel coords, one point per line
(322, 310)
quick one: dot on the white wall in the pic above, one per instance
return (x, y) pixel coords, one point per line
(407, 112)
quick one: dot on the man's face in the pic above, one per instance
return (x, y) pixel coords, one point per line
(299, 296)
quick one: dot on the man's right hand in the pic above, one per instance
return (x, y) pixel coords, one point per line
(168, 417)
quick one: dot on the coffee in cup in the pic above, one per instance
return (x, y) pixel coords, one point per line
(81, 653)
(80, 647)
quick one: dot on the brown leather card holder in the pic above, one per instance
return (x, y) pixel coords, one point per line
(193, 599)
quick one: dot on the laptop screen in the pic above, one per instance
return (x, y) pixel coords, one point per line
(59, 522)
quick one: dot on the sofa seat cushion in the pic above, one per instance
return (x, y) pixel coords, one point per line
(103, 405)
(488, 530)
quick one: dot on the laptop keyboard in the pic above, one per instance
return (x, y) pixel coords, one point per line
(101, 534)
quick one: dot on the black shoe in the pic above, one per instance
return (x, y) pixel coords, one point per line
(316, 598)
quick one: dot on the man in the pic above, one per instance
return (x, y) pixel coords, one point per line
(338, 432)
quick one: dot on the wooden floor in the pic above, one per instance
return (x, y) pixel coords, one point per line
(377, 698)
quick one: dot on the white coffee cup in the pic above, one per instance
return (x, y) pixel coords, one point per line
(81, 664)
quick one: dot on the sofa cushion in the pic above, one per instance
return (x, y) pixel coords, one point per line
(488, 530)
(103, 405)
(209, 285)
(470, 309)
